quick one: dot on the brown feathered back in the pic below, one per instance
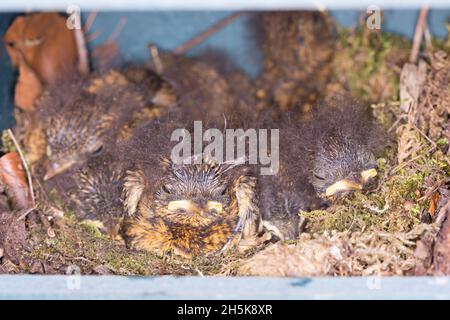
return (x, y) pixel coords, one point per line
(84, 115)
(206, 91)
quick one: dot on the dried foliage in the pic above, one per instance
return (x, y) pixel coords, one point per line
(434, 103)
(13, 178)
(339, 253)
(368, 64)
(44, 50)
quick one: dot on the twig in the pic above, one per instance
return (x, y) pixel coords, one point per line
(24, 215)
(117, 29)
(83, 60)
(92, 36)
(89, 21)
(25, 165)
(207, 33)
(377, 210)
(396, 122)
(426, 137)
(427, 36)
(154, 53)
(418, 35)
(433, 189)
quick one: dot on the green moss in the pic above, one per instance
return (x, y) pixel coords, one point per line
(7, 145)
(78, 244)
(92, 228)
(366, 63)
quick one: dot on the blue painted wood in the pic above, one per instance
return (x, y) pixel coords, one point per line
(21, 5)
(6, 78)
(169, 287)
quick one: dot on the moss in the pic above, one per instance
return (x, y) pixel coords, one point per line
(7, 145)
(92, 228)
(78, 244)
(368, 63)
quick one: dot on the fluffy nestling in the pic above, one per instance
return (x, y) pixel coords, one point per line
(84, 116)
(323, 157)
(346, 138)
(187, 209)
(284, 194)
(97, 193)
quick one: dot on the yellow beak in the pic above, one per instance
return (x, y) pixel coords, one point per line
(367, 175)
(342, 185)
(57, 167)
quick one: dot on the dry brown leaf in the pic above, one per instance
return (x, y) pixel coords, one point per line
(28, 87)
(433, 204)
(43, 49)
(13, 177)
(442, 247)
(434, 102)
(411, 82)
(408, 142)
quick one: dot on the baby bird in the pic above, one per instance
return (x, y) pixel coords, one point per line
(85, 116)
(321, 159)
(282, 197)
(346, 137)
(97, 195)
(285, 194)
(187, 209)
(209, 87)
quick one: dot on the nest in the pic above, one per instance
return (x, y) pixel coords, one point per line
(340, 254)
(398, 227)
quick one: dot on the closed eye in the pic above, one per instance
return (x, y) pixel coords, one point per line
(214, 206)
(184, 205)
(98, 151)
(318, 177)
(165, 189)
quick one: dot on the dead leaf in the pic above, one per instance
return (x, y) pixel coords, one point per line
(409, 142)
(43, 49)
(411, 82)
(13, 176)
(102, 270)
(434, 102)
(433, 204)
(442, 248)
(423, 254)
(28, 87)
(36, 267)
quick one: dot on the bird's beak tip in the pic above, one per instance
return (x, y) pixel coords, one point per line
(367, 175)
(55, 168)
(343, 185)
(51, 174)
